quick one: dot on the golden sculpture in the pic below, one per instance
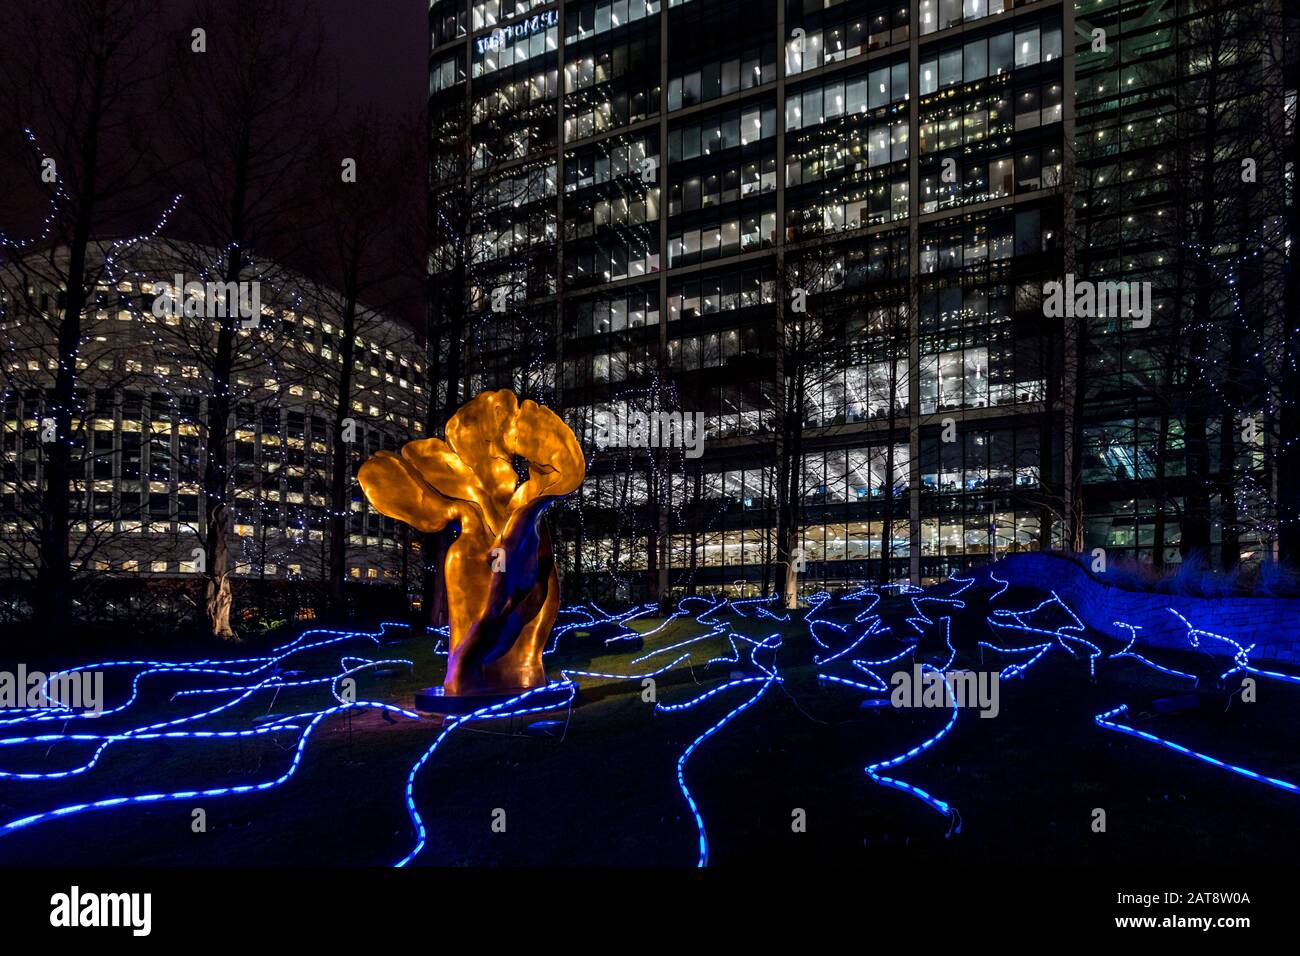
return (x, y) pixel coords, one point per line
(503, 591)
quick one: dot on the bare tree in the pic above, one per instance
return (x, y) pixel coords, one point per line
(489, 254)
(888, 332)
(1276, 277)
(242, 108)
(106, 366)
(1213, 135)
(810, 353)
(1188, 378)
(75, 72)
(357, 266)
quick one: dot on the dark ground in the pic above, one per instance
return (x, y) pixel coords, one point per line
(1025, 783)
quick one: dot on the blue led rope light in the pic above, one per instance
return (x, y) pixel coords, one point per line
(964, 582)
(718, 629)
(879, 685)
(1015, 620)
(1012, 671)
(856, 685)
(111, 802)
(708, 694)
(63, 713)
(865, 665)
(1241, 658)
(849, 648)
(348, 671)
(947, 639)
(873, 769)
(1094, 652)
(1062, 635)
(129, 734)
(663, 670)
(513, 708)
(1127, 651)
(766, 682)
(591, 622)
(717, 607)
(506, 708)
(197, 667)
(159, 730)
(746, 602)
(723, 658)
(1194, 635)
(1105, 720)
(921, 615)
(105, 740)
(732, 637)
(903, 588)
(1289, 678)
(868, 611)
(703, 859)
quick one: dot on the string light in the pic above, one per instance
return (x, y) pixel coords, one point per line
(256, 674)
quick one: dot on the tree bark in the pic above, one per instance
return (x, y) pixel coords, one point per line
(218, 597)
(54, 574)
(341, 462)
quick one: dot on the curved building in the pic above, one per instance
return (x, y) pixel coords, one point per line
(144, 374)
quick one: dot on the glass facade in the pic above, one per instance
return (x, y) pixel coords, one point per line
(1169, 149)
(914, 149)
(139, 433)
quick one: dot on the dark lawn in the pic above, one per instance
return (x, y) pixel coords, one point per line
(1025, 783)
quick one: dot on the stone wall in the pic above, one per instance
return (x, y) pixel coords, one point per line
(1271, 624)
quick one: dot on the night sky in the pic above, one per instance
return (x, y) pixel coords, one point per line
(375, 50)
(378, 47)
(382, 51)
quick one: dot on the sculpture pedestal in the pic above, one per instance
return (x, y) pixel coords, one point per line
(435, 700)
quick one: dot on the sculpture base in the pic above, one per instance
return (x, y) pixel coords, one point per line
(436, 700)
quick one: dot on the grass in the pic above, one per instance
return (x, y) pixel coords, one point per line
(606, 792)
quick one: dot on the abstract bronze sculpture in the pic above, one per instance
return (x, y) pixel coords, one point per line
(503, 591)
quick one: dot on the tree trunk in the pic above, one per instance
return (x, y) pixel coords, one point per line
(579, 551)
(54, 573)
(790, 583)
(785, 523)
(1159, 529)
(340, 464)
(652, 541)
(1230, 538)
(217, 598)
(451, 311)
(887, 512)
(887, 509)
(1288, 392)
(1196, 510)
(791, 513)
(1048, 486)
(695, 536)
(216, 471)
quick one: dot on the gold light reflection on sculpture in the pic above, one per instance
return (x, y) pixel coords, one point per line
(503, 591)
